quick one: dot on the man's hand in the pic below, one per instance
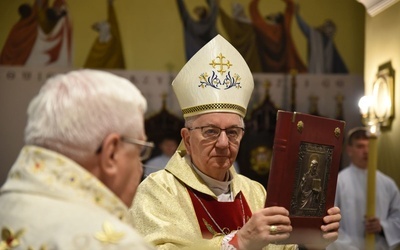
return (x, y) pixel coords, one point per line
(269, 225)
(373, 225)
(330, 230)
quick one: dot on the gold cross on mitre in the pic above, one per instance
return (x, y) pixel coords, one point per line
(221, 63)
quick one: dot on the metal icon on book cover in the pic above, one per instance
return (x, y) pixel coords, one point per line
(312, 173)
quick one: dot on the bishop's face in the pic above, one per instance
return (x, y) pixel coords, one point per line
(214, 155)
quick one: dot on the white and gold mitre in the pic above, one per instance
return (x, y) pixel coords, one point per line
(215, 79)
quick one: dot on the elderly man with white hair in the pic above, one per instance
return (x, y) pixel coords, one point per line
(80, 167)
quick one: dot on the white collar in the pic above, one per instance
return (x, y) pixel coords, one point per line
(220, 188)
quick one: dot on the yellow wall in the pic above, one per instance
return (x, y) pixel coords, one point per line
(152, 32)
(152, 35)
(382, 44)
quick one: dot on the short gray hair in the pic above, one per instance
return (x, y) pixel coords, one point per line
(74, 112)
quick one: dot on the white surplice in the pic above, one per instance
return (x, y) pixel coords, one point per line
(351, 198)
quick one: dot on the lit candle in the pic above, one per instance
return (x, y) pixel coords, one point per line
(371, 183)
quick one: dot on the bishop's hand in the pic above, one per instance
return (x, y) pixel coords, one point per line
(269, 225)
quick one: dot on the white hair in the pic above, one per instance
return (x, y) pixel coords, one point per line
(74, 112)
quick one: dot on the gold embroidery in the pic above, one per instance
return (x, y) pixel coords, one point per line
(73, 179)
(60, 162)
(109, 235)
(213, 106)
(209, 227)
(38, 166)
(9, 240)
(42, 247)
(15, 175)
(221, 63)
(54, 169)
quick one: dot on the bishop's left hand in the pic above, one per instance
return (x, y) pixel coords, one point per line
(330, 230)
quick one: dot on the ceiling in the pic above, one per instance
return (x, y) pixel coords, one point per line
(374, 7)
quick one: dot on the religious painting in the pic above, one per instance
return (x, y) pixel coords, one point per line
(106, 51)
(42, 36)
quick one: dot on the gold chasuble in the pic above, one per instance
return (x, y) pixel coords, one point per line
(216, 217)
(178, 207)
(181, 211)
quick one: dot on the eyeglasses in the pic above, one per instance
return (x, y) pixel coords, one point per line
(146, 149)
(234, 134)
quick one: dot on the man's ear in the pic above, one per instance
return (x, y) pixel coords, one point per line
(110, 147)
(185, 134)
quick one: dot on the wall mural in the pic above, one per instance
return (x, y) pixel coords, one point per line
(265, 42)
(106, 51)
(42, 37)
(323, 56)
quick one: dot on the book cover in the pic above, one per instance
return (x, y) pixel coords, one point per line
(304, 168)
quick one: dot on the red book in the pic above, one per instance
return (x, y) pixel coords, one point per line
(303, 175)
